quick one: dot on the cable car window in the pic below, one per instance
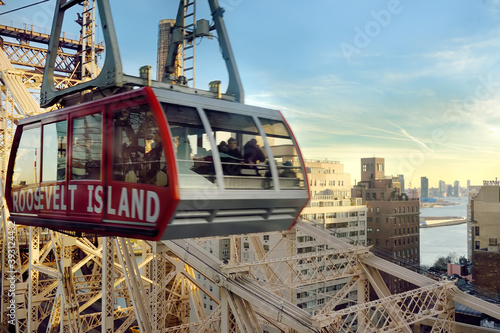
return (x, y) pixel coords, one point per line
(285, 154)
(192, 147)
(138, 154)
(54, 151)
(26, 166)
(86, 147)
(241, 148)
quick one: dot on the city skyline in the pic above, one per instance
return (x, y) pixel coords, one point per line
(353, 80)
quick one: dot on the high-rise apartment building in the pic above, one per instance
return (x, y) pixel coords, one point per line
(485, 216)
(442, 187)
(392, 218)
(331, 209)
(449, 190)
(402, 182)
(456, 188)
(331, 205)
(424, 187)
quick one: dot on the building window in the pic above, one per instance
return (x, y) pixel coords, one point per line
(493, 242)
(478, 245)
(364, 167)
(380, 167)
(476, 231)
(266, 237)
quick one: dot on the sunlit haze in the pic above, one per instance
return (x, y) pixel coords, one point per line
(414, 82)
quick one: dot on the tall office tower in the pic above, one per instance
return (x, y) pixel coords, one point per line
(402, 182)
(456, 188)
(164, 39)
(442, 187)
(485, 214)
(424, 187)
(449, 190)
(392, 219)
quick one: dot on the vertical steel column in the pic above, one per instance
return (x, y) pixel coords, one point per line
(34, 259)
(108, 280)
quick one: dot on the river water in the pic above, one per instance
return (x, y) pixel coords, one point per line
(438, 242)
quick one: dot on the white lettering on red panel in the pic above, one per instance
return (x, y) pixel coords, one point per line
(132, 203)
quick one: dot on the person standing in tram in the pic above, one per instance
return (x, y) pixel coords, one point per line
(231, 162)
(253, 155)
(233, 149)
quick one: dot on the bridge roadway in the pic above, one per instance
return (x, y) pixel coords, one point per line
(271, 305)
(26, 35)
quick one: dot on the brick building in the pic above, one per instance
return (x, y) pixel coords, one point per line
(392, 218)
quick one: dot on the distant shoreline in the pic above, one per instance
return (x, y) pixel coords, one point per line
(438, 203)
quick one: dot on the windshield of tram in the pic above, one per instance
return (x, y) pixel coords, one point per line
(291, 175)
(244, 155)
(192, 147)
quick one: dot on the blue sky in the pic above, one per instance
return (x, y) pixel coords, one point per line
(416, 82)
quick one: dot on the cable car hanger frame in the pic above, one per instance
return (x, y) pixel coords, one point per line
(112, 78)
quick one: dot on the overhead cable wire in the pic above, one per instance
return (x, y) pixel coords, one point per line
(23, 7)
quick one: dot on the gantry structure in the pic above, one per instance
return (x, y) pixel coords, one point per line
(71, 284)
(54, 282)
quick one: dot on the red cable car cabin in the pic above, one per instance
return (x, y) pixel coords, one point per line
(156, 164)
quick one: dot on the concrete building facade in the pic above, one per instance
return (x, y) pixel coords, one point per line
(473, 190)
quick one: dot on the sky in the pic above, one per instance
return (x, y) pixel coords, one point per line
(416, 82)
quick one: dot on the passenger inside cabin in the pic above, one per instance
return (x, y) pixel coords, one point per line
(287, 170)
(139, 156)
(223, 147)
(153, 170)
(252, 152)
(233, 149)
(252, 155)
(231, 157)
